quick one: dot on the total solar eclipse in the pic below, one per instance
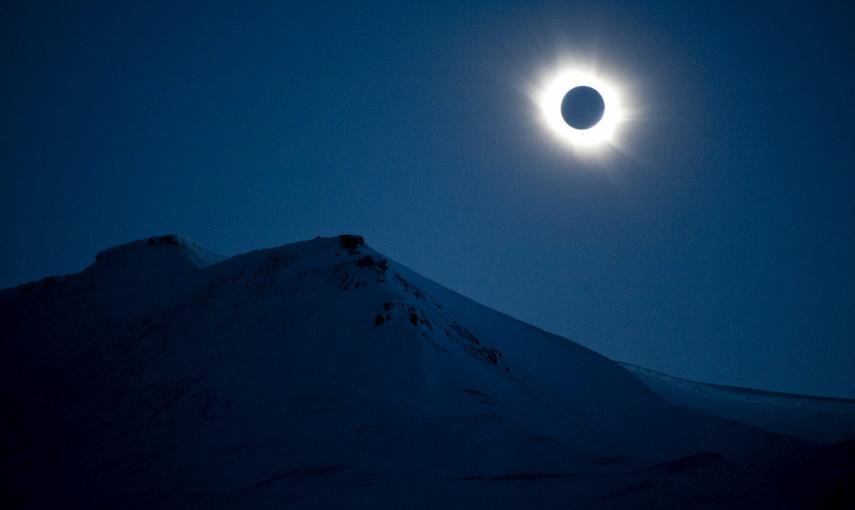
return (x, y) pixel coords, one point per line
(582, 107)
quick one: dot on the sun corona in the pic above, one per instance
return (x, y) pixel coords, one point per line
(550, 95)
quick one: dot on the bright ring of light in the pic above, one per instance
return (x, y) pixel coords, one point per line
(549, 101)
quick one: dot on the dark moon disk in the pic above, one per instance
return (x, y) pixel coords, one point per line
(582, 107)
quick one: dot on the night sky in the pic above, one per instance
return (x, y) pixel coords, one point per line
(716, 244)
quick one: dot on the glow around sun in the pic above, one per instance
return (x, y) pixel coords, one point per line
(549, 94)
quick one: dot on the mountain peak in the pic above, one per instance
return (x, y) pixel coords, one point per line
(170, 245)
(351, 242)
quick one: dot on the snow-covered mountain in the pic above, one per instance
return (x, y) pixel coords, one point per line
(322, 374)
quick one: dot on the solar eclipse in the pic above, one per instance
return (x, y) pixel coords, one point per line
(581, 109)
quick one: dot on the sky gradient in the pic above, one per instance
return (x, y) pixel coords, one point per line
(717, 245)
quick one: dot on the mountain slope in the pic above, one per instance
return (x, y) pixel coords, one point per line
(820, 419)
(322, 374)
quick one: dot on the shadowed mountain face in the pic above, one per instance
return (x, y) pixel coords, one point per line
(323, 374)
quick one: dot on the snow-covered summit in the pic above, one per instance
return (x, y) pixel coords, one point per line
(146, 250)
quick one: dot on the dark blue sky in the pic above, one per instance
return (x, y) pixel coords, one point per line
(719, 247)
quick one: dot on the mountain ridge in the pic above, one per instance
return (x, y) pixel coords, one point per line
(808, 417)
